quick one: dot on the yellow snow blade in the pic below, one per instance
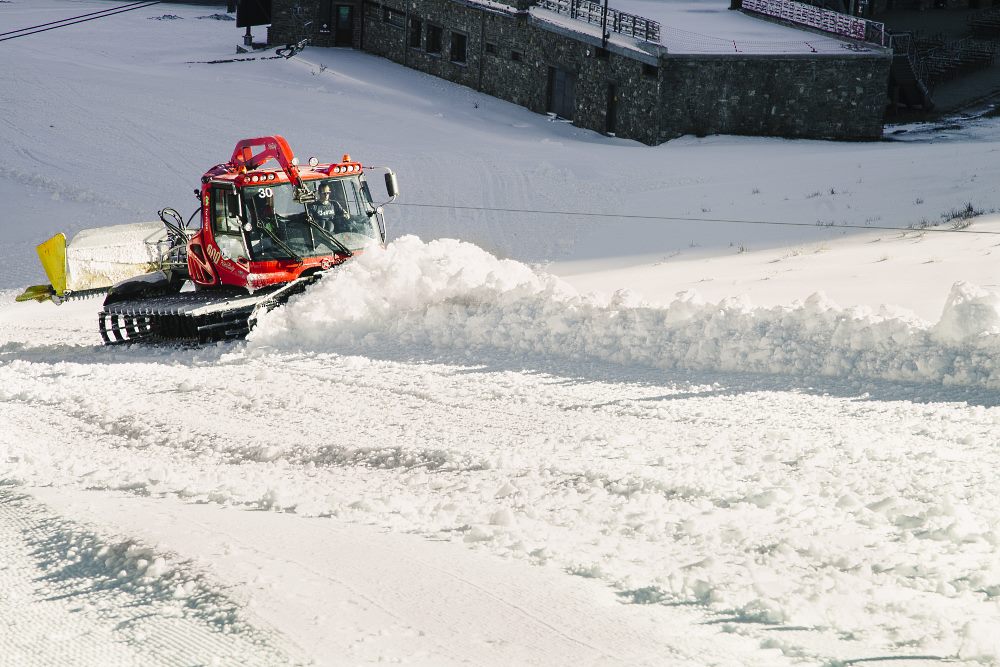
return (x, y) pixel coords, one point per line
(36, 293)
(53, 256)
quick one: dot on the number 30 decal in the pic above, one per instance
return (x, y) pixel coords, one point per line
(265, 193)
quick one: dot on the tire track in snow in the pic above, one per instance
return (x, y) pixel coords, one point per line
(565, 459)
(87, 602)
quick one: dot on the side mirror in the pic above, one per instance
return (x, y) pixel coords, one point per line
(391, 187)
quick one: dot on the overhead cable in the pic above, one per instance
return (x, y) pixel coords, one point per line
(73, 20)
(100, 11)
(664, 218)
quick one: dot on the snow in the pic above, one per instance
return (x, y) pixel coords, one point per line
(449, 294)
(506, 438)
(102, 256)
(697, 27)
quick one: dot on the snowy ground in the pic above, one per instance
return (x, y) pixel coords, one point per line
(447, 454)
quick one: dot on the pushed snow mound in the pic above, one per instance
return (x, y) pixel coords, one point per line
(449, 294)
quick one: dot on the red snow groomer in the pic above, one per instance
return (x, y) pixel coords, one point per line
(264, 233)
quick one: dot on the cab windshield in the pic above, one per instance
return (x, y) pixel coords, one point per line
(280, 226)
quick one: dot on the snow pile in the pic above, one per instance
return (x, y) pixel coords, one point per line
(102, 256)
(448, 294)
(969, 313)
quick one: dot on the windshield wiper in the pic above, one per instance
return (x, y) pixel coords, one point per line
(315, 225)
(281, 244)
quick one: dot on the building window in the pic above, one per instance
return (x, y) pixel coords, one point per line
(393, 17)
(491, 48)
(416, 30)
(433, 38)
(515, 56)
(652, 71)
(458, 47)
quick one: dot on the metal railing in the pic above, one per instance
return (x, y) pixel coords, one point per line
(947, 59)
(619, 22)
(904, 43)
(985, 23)
(955, 57)
(826, 20)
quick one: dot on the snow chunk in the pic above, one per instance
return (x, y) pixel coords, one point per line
(969, 312)
(980, 642)
(502, 517)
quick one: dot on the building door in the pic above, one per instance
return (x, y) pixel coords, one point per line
(344, 33)
(562, 93)
(611, 119)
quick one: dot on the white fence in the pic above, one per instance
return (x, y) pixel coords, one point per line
(826, 20)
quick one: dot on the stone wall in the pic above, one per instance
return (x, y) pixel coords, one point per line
(509, 55)
(286, 19)
(388, 27)
(829, 97)
(504, 51)
(289, 17)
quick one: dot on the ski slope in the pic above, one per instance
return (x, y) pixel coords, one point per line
(507, 439)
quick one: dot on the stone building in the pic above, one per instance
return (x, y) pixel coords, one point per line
(323, 22)
(632, 88)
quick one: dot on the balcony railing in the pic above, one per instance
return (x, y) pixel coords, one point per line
(593, 12)
(826, 20)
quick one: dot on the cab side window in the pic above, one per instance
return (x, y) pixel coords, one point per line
(226, 223)
(354, 200)
(225, 212)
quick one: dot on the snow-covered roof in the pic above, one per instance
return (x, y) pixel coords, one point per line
(710, 27)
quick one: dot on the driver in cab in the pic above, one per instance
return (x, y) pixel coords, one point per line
(331, 214)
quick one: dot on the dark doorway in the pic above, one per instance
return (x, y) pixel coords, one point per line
(562, 93)
(611, 119)
(344, 33)
(253, 12)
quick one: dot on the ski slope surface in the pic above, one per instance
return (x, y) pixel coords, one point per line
(509, 438)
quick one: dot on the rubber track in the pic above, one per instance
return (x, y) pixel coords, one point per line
(195, 317)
